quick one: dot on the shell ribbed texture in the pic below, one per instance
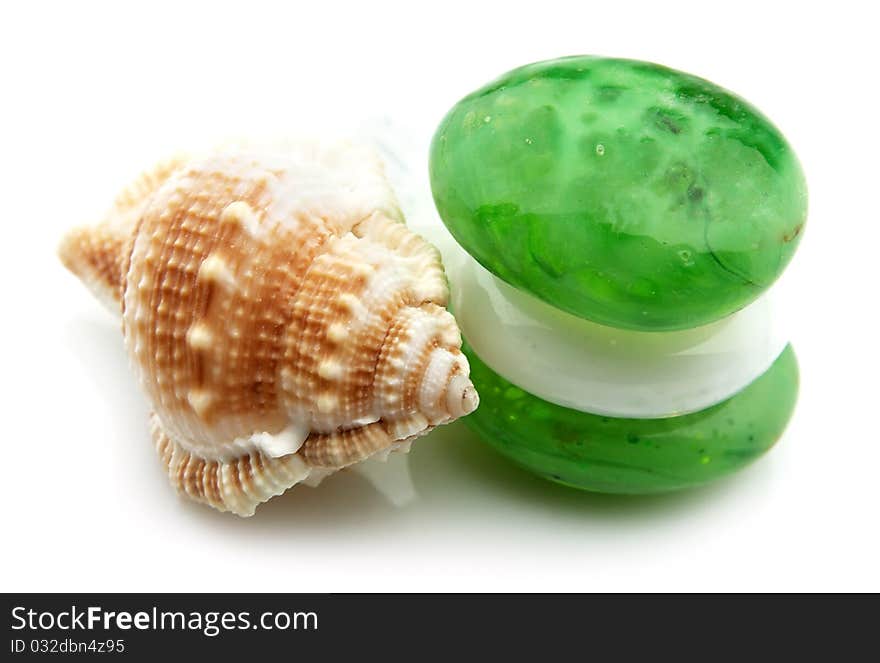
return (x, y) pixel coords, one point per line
(281, 317)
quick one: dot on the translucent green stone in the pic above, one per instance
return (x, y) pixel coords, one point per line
(621, 191)
(633, 456)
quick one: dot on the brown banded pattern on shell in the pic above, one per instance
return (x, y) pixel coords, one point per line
(281, 317)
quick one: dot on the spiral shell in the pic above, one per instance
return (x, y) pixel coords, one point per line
(282, 319)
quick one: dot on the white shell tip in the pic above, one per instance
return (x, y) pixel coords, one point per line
(461, 397)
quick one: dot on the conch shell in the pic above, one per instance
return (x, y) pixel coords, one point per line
(281, 317)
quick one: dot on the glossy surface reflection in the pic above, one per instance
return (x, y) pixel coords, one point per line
(620, 191)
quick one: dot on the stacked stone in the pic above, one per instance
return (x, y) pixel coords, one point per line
(624, 223)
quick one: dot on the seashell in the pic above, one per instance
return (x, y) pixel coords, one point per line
(281, 317)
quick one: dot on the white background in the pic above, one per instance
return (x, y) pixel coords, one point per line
(92, 94)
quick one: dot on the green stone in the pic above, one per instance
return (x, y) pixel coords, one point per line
(633, 456)
(621, 191)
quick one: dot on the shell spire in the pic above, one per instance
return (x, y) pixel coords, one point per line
(281, 317)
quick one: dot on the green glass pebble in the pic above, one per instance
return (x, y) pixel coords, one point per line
(621, 191)
(633, 456)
